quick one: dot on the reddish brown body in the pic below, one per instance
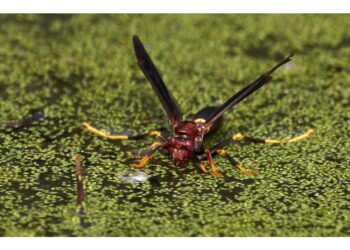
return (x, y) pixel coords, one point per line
(188, 137)
(187, 140)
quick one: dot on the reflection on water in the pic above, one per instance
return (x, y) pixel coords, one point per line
(134, 176)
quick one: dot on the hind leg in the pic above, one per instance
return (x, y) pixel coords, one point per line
(108, 135)
(239, 137)
(217, 149)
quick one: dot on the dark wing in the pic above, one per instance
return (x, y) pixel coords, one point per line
(263, 79)
(168, 102)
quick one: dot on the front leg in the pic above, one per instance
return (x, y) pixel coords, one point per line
(207, 155)
(217, 149)
(234, 162)
(211, 163)
(154, 148)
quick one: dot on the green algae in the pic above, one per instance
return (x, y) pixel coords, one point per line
(82, 68)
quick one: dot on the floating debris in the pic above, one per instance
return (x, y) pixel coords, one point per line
(80, 182)
(81, 213)
(134, 176)
(34, 115)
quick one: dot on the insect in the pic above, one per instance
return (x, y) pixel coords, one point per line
(187, 141)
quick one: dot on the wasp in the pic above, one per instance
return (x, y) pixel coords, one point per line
(187, 140)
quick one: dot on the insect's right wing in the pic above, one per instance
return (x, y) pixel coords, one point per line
(246, 91)
(168, 102)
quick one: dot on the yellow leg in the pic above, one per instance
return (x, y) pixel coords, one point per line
(104, 133)
(211, 163)
(202, 167)
(155, 133)
(108, 135)
(156, 145)
(143, 161)
(234, 163)
(309, 133)
(149, 150)
(239, 136)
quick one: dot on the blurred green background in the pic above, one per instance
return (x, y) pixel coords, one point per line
(82, 68)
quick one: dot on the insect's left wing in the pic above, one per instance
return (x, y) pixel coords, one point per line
(168, 102)
(246, 91)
